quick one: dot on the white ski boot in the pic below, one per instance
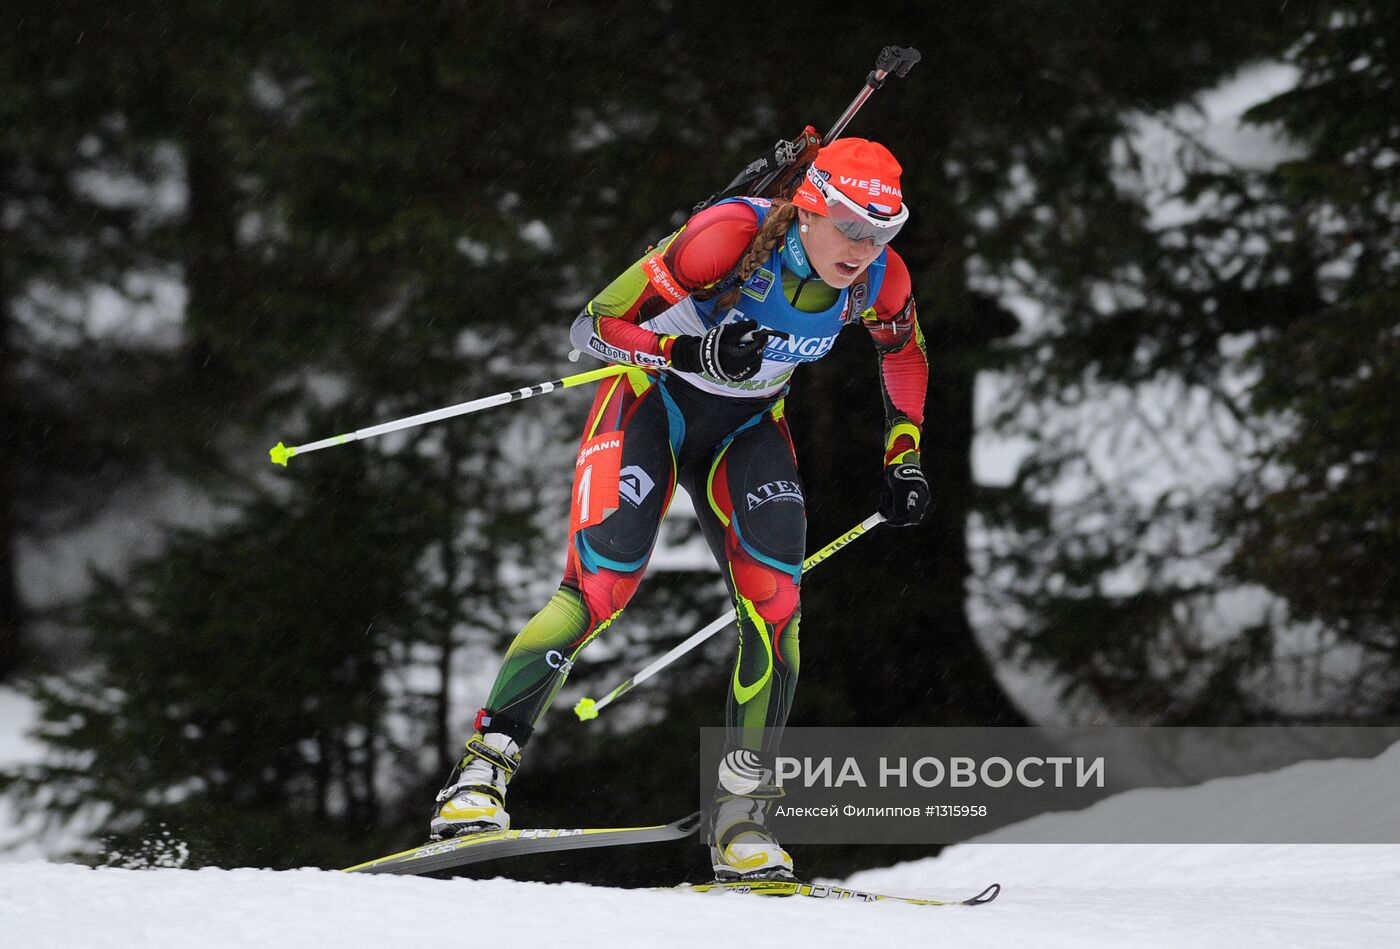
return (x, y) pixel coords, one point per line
(474, 799)
(741, 848)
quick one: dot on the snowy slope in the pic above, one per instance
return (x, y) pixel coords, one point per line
(20, 838)
(1055, 895)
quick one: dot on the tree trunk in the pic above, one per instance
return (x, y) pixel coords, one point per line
(11, 610)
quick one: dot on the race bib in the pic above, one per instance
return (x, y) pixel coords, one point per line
(596, 493)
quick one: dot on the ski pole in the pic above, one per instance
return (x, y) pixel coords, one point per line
(281, 453)
(892, 59)
(799, 153)
(771, 175)
(587, 708)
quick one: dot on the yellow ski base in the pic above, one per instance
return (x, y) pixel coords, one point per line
(823, 892)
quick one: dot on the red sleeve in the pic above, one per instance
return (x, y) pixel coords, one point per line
(894, 327)
(705, 250)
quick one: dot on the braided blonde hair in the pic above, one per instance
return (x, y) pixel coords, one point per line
(775, 225)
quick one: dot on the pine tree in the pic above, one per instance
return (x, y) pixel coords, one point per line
(1243, 321)
(1319, 522)
(1015, 116)
(336, 273)
(77, 181)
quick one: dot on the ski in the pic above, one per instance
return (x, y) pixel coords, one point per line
(822, 891)
(492, 845)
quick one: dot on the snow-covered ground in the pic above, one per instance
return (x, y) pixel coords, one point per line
(1129, 895)
(1054, 895)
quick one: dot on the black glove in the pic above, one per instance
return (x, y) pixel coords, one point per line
(730, 353)
(906, 495)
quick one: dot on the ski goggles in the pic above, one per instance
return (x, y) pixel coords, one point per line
(857, 223)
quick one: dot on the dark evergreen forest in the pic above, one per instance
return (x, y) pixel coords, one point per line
(222, 225)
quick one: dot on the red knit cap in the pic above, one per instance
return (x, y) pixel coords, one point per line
(862, 170)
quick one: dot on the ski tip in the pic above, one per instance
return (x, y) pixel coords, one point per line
(986, 896)
(586, 709)
(280, 453)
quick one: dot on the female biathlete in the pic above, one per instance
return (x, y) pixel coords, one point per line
(715, 319)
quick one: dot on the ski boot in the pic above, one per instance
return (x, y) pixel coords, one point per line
(741, 847)
(474, 799)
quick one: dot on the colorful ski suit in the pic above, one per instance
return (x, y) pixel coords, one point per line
(726, 443)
